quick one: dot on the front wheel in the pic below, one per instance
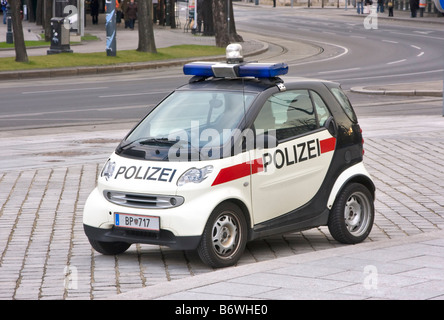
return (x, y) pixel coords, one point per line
(351, 218)
(224, 237)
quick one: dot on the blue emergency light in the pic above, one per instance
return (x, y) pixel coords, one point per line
(235, 67)
(439, 4)
(214, 69)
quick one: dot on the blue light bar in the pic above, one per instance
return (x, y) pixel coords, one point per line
(203, 69)
(257, 70)
(263, 70)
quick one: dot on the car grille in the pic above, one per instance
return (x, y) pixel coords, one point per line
(144, 201)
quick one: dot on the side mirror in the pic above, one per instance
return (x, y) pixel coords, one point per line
(331, 126)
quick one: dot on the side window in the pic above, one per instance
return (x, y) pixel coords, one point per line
(345, 103)
(289, 113)
(321, 109)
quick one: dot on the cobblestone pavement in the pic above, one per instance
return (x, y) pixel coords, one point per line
(41, 235)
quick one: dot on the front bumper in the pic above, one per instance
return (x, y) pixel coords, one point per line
(164, 237)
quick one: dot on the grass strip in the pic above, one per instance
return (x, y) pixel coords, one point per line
(64, 60)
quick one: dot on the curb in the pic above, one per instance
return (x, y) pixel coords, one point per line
(413, 92)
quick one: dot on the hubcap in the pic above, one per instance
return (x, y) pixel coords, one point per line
(225, 235)
(357, 214)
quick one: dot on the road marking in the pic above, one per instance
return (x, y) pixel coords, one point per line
(397, 61)
(423, 32)
(390, 41)
(416, 47)
(63, 90)
(34, 114)
(420, 54)
(333, 71)
(133, 94)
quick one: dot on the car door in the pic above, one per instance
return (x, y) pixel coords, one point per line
(293, 170)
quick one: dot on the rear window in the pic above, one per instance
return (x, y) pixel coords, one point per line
(345, 103)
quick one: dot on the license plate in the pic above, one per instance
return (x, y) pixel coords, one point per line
(124, 220)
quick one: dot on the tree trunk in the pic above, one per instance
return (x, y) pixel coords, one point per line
(146, 31)
(207, 17)
(47, 19)
(39, 13)
(224, 35)
(19, 39)
(173, 14)
(31, 16)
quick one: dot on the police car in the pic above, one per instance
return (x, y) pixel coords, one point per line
(234, 155)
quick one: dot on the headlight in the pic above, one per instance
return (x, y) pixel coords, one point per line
(108, 169)
(194, 175)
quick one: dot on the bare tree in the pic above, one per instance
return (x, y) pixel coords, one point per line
(39, 13)
(146, 30)
(206, 7)
(225, 32)
(19, 39)
(31, 15)
(47, 19)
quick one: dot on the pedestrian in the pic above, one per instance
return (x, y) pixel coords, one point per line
(414, 5)
(94, 6)
(380, 7)
(360, 6)
(118, 12)
(390, 7)
(131, 14)
(274, 3)
(5, 10)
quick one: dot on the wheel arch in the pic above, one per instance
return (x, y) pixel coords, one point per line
(244, 209)
(356, 174)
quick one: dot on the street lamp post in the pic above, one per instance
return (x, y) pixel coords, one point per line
(9, 34)
(110, 28)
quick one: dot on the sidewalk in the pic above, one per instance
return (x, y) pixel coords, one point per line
(411, 268)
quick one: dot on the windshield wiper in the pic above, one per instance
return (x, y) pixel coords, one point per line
(143, 140)
(157, 141)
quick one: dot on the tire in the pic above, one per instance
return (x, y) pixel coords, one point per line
(109, 248)
(224, 237)
(351, 218)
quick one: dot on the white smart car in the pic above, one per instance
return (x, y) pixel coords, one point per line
(236, 154)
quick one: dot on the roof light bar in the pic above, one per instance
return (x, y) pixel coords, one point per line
(234, 70)
(225, 70)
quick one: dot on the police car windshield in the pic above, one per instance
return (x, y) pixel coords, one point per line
(201, 118)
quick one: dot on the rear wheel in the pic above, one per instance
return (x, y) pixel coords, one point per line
(109, 248)
(224, 237)
(351, 218)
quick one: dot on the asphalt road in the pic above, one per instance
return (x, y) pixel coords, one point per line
(395, 52)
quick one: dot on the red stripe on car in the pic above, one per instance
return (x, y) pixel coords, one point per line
(328, 145)
(238, 171)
